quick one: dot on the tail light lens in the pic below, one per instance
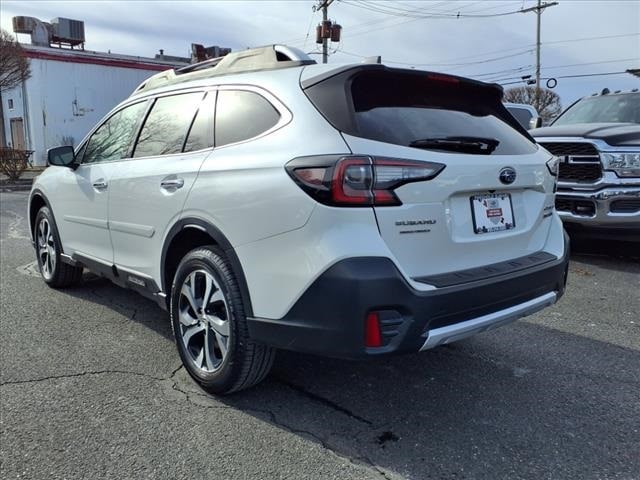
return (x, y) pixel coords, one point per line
(358, 181)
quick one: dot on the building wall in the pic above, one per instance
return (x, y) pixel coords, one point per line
(62, 101)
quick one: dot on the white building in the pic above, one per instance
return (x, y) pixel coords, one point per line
(67, 93)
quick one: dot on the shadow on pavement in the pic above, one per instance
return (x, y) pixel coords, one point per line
(524, 401)
(102, 291)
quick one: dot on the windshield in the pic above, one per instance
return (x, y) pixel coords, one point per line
(623, 108)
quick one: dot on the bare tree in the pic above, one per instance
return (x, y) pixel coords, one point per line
(547, 104)
(14, 69)
(14, 65)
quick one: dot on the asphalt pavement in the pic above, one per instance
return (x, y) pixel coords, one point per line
(91, 387)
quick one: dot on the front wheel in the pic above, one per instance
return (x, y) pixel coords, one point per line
(48, 249)
(209, 324)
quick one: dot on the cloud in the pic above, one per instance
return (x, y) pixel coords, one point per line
(143, 27)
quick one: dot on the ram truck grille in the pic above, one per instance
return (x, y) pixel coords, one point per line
(579, 161)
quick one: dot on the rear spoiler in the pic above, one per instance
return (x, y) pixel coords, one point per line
(338, 82)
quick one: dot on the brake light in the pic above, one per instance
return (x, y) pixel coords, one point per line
(442, 78)
(358, 181)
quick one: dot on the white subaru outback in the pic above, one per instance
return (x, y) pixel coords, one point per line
(342, 210)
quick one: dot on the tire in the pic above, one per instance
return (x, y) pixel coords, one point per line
(213, 341)
(54, 272)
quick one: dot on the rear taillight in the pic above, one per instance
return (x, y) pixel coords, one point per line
(358, 181)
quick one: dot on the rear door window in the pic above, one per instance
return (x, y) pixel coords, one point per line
(241, 115)
(166, 126)
(407, 110)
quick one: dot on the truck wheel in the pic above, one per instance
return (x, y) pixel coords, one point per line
(210, 327)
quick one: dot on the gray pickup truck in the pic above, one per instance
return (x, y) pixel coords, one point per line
(598, 142)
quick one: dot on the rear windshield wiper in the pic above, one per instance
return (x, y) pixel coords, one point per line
(480, 145)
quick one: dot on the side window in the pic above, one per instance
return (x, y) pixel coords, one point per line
(522, 115)
(201, 133)
(111, 141)
(167, 124)
(241, 115)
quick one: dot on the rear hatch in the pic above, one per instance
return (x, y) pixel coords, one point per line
(491, 200)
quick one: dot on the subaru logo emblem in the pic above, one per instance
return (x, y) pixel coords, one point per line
(507, 175)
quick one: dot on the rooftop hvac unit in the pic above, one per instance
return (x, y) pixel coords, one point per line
(67, 31)
(40, 31)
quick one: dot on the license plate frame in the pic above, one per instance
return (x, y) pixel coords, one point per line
(492, 212)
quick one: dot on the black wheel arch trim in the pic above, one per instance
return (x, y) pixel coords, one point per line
(37, 192)
(225, 245)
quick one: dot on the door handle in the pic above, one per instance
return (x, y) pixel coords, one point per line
(100, 185)
(172, 183)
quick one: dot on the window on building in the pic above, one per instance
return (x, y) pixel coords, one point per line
(166, 127)
(201, 133)
(241, 115)
(112, 140)
(10, 104)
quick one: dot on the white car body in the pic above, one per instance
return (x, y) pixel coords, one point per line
(117, 216)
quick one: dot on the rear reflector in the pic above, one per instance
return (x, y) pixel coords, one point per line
(372, 334)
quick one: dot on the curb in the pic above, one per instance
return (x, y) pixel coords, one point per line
(19, 186)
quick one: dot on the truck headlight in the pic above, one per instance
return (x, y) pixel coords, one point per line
(625, 164)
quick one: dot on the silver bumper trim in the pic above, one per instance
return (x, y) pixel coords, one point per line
(603, 200)
(458, 331)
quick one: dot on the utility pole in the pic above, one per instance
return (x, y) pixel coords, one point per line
(324, 5)
(538, 9)
(325, 41)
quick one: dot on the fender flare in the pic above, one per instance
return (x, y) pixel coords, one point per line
(223, 243)
(38, 192)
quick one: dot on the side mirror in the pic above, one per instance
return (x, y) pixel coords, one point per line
(535, 122)
(61, 156)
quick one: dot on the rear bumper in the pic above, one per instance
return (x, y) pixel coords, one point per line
(329, 318)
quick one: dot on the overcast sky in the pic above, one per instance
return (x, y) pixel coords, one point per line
(499, 48)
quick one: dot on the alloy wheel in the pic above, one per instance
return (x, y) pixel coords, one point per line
(46, 249)
(204, 321)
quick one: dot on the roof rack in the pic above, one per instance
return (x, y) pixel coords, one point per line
(254, 59)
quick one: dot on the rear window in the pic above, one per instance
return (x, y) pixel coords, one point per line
(405, 109)
(241, 115)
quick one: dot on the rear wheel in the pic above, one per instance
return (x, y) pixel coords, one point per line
(209, 323)
(48, 249)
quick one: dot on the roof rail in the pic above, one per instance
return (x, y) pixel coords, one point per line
(254, 59)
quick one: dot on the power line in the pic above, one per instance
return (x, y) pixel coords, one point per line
(417, 14)
(572, 76)
(393, 22)
(590, 63)
(555, 42)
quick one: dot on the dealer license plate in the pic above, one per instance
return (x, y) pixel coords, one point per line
(492, 213)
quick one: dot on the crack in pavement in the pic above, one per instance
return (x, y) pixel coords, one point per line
(81, 374)
(323, 400)
(357, 459)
